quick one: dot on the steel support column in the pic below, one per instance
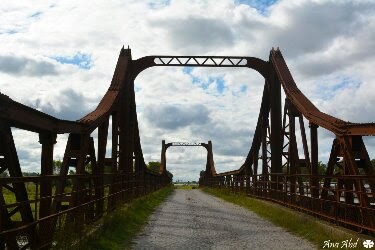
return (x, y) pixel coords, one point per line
(276, 127)
(163, 165)
(99, 181)
(45, 228)
(314, 160)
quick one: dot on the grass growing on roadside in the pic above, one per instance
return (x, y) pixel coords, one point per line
(120, 227)
(300, 224)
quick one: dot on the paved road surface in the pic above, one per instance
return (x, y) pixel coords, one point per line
(192, 219)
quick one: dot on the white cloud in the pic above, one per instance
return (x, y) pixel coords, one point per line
(327, 45)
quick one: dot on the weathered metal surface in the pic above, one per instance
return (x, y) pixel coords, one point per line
(274, 169)
(257, 64)
(23, 117)
(344, 194)
(64, 203)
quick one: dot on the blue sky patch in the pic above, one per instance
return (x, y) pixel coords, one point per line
(243, 88)
(218, 81)
(187, 70)
(240, 91)
(260, 5)
(346, 83)
(81, 60)
(137, 88)
(36, 14)
(220, 85)
(156, 4)
(9, 32)
(341, 83)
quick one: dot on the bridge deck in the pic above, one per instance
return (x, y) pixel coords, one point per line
(192, 219)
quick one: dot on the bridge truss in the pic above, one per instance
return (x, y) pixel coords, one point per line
(210, 166)
(36, 211)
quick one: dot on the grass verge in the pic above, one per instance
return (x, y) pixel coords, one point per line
(119, 228)
(308, 227)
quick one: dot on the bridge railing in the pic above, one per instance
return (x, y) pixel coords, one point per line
(334, 202)
(33, 210)
(69, 224)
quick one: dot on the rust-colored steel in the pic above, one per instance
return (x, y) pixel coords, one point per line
(63, 203)
(344, 193)
(37, 212)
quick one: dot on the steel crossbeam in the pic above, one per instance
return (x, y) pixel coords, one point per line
(342, 191)
(186, 144)
(205, 61)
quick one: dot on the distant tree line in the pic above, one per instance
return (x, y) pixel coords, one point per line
(155, 167)
(27, 174)
(152, 165)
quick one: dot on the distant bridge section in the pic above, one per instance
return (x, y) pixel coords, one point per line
(210, 166)
(185, 144)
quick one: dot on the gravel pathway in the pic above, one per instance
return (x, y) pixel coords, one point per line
(192, 219)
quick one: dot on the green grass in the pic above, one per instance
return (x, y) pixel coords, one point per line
(308, 227)
(10, 198)
(119, 228)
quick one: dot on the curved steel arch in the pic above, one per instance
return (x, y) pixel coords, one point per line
(146, 62)
(263, 67)
(274, 139)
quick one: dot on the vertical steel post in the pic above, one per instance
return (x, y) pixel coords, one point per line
(210, 161)
(127, 136)
(99, 180)
(163, 165)
(45, 228)
(114, 166)
(293, 154)
(276, 126)
(264, 146)
(314, 160)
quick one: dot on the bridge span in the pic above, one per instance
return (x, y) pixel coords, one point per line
(35, 210)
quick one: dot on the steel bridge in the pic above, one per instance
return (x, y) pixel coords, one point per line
(210, 156)
(42, 209)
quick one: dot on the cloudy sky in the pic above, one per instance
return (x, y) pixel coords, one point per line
(59, 57)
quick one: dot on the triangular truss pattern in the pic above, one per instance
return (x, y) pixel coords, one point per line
(209, 61)
(282, 164)
(291, 173)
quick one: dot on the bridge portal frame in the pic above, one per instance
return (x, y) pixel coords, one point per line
(210, 166)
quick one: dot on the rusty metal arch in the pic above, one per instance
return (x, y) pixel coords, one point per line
(274, 139)
(264, 68)
(146, 62)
